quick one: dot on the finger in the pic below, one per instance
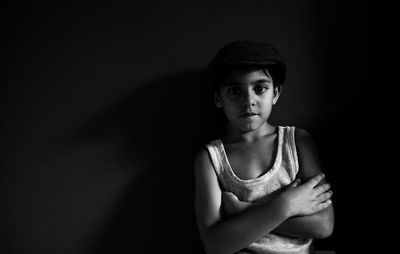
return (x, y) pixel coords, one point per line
(323, 205)
(295, 183)
(322, 188)
(313, 181)
(324, 197)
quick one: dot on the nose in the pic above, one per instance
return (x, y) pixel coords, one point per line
(248, 99)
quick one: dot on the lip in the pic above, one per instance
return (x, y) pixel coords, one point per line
(249, 114)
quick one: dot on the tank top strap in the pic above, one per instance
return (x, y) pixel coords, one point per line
(286, 152)
(216, 154)
(289, 149)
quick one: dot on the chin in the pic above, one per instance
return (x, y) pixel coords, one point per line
(248, 128)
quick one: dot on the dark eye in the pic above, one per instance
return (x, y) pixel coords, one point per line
(259, 89)
(233, 90)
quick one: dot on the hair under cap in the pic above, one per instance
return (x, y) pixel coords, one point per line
(245, 53)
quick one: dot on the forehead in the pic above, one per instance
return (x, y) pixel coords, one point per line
(245, 76)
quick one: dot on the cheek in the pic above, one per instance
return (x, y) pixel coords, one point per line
(229, 103)
(229, 109)
(266, 105)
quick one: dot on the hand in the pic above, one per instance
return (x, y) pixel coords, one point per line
(232, 205)
(307, 198)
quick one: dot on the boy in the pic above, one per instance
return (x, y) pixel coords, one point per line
(249, 198)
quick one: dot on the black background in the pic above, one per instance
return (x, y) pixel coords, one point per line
(102, 115)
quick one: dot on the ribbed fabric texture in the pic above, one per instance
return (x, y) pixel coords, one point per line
(282, 173)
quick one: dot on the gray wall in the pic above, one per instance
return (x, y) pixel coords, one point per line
(102, 113)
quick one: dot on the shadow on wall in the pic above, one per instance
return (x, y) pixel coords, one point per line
(164, 124)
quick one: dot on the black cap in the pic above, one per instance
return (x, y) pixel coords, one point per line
(246, 53)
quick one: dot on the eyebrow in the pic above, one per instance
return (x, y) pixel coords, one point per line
(260, 81)
(254, 82)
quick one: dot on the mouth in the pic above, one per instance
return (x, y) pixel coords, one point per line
(248, 114)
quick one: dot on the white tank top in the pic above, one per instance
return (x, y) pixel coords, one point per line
(282, 173)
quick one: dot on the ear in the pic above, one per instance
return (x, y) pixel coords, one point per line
(217, 100)
(277, 93)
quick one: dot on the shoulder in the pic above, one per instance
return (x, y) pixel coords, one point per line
(203, 163)
(303, 139)
(297, 135)
(301, 133)
(205, 155)
(309, 164)
(202, 157)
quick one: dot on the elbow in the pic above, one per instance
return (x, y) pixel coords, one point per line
(325, 225)
(324, 231)
(322, 234)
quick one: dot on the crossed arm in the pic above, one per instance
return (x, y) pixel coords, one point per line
(303, 210)
(317, 225)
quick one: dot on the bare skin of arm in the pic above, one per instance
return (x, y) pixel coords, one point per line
(225, 235)
(317, 225)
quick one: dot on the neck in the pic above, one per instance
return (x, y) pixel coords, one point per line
(236, 135)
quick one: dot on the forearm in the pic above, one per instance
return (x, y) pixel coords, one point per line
(318, 225)
(233, 234)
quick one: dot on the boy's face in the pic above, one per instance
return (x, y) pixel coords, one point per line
(247, 96)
